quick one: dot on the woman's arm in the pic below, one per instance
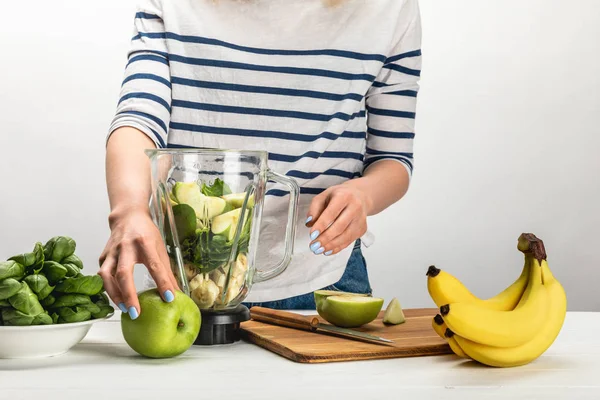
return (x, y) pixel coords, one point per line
(141, 122)
(338, 216)
(134, 238)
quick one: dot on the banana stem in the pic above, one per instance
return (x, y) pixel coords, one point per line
(432, 271)
(529, 243)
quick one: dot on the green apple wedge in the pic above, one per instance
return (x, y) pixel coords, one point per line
(226, 224)
(236, 200)
(189, 193)
(162, 330)
(350, 311)
(393, 313)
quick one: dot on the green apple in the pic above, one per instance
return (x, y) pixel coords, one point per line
(163, 329)
(350, 311)
(321, 295)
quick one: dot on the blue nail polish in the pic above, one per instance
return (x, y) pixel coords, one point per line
(122, 307)
(308, 220)
(169, 296)
(328, 253)
(314, 235)
(315, 246)
(320, 250)
(133, 314)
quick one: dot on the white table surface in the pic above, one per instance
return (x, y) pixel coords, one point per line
(102, 366)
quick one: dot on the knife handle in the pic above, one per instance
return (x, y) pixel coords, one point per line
(283, 318)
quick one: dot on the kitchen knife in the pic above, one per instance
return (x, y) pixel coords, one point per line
(311, 324)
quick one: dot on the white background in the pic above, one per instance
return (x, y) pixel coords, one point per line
(507, 140)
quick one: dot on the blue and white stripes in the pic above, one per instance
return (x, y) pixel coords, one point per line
(324, 107)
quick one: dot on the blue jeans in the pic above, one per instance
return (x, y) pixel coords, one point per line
(354, 280)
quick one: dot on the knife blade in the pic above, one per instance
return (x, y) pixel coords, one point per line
(312, 324)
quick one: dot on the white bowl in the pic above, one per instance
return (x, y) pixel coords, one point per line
(42, 340)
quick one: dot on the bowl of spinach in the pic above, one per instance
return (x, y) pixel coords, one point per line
(47, 305)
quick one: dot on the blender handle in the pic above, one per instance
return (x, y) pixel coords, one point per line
(290, 233)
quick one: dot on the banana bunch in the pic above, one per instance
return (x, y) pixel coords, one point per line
(510, 329)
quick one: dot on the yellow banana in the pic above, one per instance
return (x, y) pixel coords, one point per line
(442, 330)
(529, 351)
(444, 288)
(501, 328)
(439, 326)
(451, 338)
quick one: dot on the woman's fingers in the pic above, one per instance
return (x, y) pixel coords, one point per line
(322, 244)
(317, 205)
(335, 204)
(166, 261)
(124, 279)
(160, 271)
(356, 229)
(106, 272)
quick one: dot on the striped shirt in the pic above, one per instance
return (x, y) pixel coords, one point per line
(327, 91)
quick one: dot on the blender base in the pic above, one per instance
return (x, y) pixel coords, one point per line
(221, 327)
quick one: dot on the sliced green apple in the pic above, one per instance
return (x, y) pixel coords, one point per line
(393, 313)
(321, 295)
(189, 193)
(350, 311)
(226, 224)
(236, 200)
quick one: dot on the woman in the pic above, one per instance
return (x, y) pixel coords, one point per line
(328, 87)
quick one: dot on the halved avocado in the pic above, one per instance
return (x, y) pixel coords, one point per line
(321, 295)
(350, 311)
(189, 193)
(236, 200)
(393, 313)
(226, 224)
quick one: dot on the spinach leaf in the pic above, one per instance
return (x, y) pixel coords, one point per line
(48, 301)
(71, 300)
(31, 261)
(58, 248)
(54, 317)
(8, 288)
(89, 285)
(100, 299)
(39, 285)
(73, 259)
(54, 271)
(75, 314)
(26, 301)
(217, 189)
(72, 270)
(13, 317)
(11, 269)
(104, 311)
(42, 319)
(91, 307)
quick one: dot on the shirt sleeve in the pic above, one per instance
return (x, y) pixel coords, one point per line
(391, 101)
(145, 97)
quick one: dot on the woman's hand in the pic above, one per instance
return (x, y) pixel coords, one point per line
(337, 217)
(134, 239)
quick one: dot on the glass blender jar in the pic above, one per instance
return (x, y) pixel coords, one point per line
(208, 205)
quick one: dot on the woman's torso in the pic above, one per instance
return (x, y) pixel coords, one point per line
(289, 77)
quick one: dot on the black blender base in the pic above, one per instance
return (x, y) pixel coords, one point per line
(221, 327)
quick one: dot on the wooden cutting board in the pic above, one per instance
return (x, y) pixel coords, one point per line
(413, 338)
